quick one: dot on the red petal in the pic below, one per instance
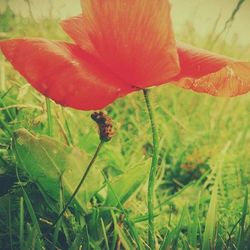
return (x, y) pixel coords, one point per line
(203, 71)
(64, 73)
(74, 27)
(133, 38)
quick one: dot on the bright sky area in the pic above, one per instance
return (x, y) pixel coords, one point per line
(201, 13)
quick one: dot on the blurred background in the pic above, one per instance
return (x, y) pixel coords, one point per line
(204, 16)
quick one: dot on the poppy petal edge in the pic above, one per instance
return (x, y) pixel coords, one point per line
(63, 72)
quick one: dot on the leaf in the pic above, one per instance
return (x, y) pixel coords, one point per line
(125, 185)
(48, 161)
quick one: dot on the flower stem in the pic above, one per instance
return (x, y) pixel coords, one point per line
(152, 174)
(49, 117)
(80, 183)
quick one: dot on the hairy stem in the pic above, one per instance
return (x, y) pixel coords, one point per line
(80, 183)
(152, 174)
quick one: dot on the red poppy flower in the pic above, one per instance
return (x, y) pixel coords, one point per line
(120, 47)
(206, 72)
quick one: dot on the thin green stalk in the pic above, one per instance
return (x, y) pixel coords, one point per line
(57, 229)
(152, 174)
(21, 226)
(49, 117)
(2, 74)
(80, 183)
(70, 137)
(4, 126)
(10, 223)
(30, 210)
(2, 104)
(127, 219)
(105, 235)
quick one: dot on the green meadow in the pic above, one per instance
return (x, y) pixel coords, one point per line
(201, 198)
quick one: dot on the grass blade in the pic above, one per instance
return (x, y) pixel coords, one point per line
(241, 234)
(171, 239)
(21, 226)
(58, 225)
(211, 220)
(105, 235)
(193, 226)
(10, 222)
(49, 117)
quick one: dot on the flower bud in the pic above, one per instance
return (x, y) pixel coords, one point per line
(105, 126)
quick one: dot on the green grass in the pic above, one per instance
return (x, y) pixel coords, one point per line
(201, 199)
